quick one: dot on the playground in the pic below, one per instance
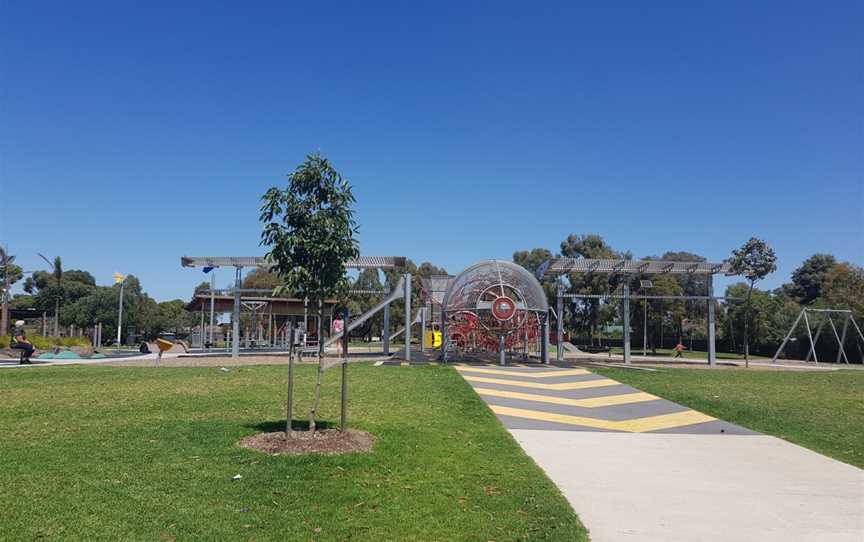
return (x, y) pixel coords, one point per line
(482, 422)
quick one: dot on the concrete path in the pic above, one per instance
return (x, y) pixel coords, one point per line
(637, 467)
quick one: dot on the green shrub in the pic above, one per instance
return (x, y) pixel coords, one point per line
(46, 343)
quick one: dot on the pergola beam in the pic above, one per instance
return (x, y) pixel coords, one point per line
(560, 266)
(361, 262)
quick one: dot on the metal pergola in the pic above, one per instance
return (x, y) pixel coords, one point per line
(562, 266)
(239, 262)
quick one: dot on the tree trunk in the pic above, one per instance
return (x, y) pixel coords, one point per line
(747, 328)
(317, 397)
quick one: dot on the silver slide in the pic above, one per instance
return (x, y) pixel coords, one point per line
(397, 293)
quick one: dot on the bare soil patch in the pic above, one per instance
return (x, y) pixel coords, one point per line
(325, 441)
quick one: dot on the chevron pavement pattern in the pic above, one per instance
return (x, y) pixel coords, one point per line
(575, 399)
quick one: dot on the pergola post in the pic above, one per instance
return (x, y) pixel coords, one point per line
(712, 331)
(626, 306)
(385, 330)
(544, 340)
(559, 332)
(407, 316)
(235, 324)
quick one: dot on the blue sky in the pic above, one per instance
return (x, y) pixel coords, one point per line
(132, 133)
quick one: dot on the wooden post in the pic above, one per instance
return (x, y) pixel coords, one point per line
(290, 413)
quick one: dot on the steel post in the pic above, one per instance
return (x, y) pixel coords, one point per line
(839, 342)
(235, 324)
(444, 338)
(843, 339)
(423, 329)
(786, 338)
(559, 331)
(810, 336)
(407, 316)
(544, 342)
(626, 309)
(502, 355)
(385, 329)
(212, 308)
(712, 326)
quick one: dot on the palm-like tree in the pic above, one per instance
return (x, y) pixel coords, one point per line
(6, 262)
(57, 273)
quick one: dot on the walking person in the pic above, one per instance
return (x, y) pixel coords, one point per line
(20, 342)
(679, 350)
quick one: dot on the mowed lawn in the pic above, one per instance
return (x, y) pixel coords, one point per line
(823, 411)
(97, 453)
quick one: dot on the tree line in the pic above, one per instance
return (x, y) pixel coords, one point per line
(77, 300)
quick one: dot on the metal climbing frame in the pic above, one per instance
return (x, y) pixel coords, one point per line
(493, 306)
(560, 266)
(239, 262)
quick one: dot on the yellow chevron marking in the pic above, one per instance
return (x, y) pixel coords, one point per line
(638, 425)
(581, 385)
(591, 402)
(529, 374)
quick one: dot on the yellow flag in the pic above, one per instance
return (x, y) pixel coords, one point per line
(118, 278)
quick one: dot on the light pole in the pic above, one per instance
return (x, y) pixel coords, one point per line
(58, 273)
(121, 280)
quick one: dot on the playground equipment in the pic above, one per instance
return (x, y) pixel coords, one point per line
(362, 262)
(825, 315)
(494, 305)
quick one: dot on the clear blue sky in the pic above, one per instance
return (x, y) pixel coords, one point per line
(134, 133)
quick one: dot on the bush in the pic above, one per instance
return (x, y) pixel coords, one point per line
(45, 343)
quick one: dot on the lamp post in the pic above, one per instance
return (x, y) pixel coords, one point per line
(121, 280)
(58, 272)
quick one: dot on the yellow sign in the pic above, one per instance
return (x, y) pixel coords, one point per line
(163, 345)
(118, 278)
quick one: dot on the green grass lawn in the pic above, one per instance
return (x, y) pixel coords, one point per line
(690, 354)
(97, 453)
(823, 411)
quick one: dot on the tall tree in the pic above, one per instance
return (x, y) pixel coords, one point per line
(755, 260)
(262, 279)
(592, 313)
(809, 278)
(310, 230)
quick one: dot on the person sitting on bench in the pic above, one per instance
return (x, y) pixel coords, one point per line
(19, 341)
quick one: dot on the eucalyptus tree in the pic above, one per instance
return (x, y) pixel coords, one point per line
(755, 260)
(310, 231)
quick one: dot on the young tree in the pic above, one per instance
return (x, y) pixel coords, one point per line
(310, 230)
(755, 260)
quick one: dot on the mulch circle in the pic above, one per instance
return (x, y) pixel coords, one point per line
(324, 441)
